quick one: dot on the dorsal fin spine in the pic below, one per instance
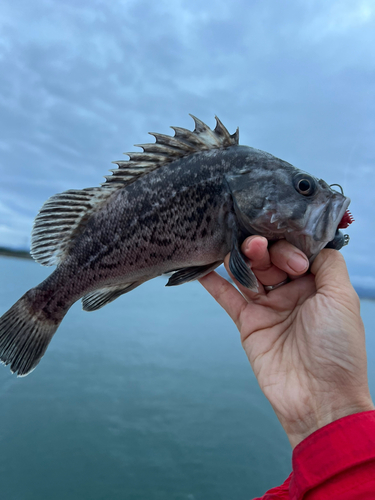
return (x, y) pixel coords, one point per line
(167, 149)
(172, 142)
(200, 126)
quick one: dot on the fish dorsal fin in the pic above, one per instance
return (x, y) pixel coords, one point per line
(60, 219)
(167, 149)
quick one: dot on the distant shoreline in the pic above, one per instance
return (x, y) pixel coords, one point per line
(19, 254)
(25, 254)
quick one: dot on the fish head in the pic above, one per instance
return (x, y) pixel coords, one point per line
(282, 202)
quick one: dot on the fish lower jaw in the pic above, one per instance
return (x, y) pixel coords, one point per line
(306, 243)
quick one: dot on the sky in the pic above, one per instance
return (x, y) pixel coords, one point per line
(80, 83)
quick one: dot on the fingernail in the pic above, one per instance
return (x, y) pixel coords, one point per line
(298, 263)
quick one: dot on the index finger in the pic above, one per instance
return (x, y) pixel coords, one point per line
(225, 294)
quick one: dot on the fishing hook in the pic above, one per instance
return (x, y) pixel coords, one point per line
(338, 185)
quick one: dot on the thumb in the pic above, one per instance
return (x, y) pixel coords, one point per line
(331, 275)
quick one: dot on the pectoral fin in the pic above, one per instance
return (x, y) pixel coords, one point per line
(239, 266)
(191, 273)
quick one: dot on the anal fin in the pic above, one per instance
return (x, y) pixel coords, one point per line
(100, 298)
(191, 273)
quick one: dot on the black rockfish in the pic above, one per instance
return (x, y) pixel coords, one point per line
(178, 206)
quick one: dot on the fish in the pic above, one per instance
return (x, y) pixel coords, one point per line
(178, 206)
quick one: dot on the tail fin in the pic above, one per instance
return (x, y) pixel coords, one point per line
(25, 335)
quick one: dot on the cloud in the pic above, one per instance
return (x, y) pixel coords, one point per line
(80, 83)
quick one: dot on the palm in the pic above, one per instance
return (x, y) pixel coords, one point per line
(277, 343)
(294, 351)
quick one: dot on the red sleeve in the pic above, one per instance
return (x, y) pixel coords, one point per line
(278, 493)
(335, 462)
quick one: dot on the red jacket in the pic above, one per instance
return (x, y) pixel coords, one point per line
(337, 462)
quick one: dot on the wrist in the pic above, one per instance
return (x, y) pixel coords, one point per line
(299, 429)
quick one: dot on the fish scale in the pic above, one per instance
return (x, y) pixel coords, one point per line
(177, 207)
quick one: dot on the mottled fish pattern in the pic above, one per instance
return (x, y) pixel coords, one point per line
(178, 206)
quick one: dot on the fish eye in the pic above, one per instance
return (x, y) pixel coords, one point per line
(305, 185)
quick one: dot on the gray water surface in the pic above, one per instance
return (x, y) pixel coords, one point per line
(149, 398)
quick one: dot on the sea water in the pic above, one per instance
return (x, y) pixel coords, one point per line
(149, 398)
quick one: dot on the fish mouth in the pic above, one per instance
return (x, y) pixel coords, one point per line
(321, 227)
(339, 208)
(326, 232)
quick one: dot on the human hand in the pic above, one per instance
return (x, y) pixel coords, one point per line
(305, 340)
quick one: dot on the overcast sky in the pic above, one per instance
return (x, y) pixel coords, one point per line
(79, 85)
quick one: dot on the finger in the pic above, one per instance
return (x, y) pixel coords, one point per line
(255, 249)
(333, 285)
(225, 294)
(287, 257)
(331, 275)
(330, 267)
